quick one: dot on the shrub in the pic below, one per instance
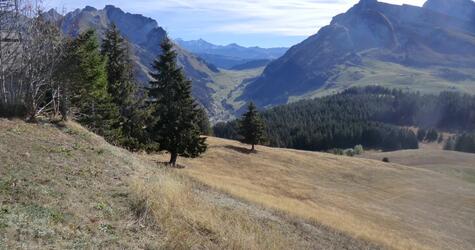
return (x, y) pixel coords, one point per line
(421, 134)
(350, 152)
(359, 149)
(386, 159)
(441, 138)
(432, 135)
(336, 151)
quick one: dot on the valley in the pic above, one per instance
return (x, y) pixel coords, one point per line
(227, 86)
(340, 56)
(117, 134)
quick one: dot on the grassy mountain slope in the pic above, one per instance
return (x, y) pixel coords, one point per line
(397, 206)
(456, 164)
(62, 187)
(374, 43)
(429, 80)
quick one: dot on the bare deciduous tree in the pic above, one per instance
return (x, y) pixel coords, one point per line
(30, 50)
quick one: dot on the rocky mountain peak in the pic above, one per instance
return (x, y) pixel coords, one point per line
(438, 35)
(367, 2)
(89, 9)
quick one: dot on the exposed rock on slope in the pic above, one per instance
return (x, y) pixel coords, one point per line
(144, 35)
(373, 32)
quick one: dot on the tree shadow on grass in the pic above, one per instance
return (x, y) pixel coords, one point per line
(241, 149)
(167, 164)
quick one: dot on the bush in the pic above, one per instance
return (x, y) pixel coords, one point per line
(441, 138)
(465, 143)
(421, 134)
(450, 144)
(432, 135)
(350, 152)
(336, 151)
(386, 159)
(359, 149)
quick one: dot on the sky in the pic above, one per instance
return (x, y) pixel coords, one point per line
(264, 23)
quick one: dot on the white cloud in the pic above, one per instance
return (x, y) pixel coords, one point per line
(279, 17)
(283, 17)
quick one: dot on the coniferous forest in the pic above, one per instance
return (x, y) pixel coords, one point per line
(374, 117)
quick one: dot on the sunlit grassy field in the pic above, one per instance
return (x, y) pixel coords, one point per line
(397, 206)
(62, 187)
(426, 80)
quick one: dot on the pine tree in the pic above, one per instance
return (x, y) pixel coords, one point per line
(119, 67)
(203, 122)
(123, 90)
(176, 129)
(87, 88)
(252, 127)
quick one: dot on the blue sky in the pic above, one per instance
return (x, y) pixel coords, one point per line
(265, 23)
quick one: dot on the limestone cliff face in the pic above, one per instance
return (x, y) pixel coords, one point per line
(406, 35)
(144, 36)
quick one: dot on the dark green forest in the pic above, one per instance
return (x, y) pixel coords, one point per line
(374, 117)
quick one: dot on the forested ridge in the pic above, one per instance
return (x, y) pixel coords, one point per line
(374, 117)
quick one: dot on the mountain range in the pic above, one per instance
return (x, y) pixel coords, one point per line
(429, 48)
(144, 36)
(232, 55)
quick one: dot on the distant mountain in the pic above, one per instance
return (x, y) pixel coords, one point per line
(430, 49)
(144, 36)
(252, 64)
(231, 55)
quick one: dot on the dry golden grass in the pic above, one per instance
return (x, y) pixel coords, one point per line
(191, 221)
(451, 163)
(397, 206)
(66, 188)
(194, 217)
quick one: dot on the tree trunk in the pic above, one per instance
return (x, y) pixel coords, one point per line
(173, 158)
(253, 148)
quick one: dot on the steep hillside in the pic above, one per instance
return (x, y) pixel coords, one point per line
(398, 206)
(62, 187)
(229, 56)
(145, 37)
(462, 9)
(376, 43)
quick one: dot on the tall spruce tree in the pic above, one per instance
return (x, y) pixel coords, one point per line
(124, 92)
(176, 130)
(91, 102)
(203, 122)
(252, 127)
